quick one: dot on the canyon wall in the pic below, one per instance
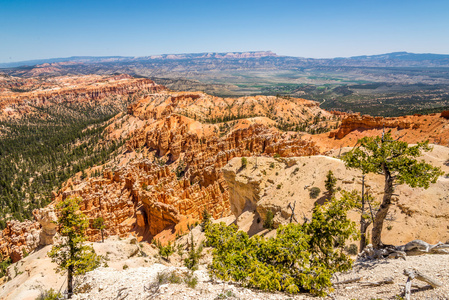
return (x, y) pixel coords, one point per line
(77, 90)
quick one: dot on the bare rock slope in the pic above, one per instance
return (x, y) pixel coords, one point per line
(272, 184)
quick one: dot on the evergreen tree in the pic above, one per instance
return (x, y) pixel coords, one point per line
(206, 219)
(71, 254)
(330, 184)
(194, 254)
(396, 160)
(99, 224)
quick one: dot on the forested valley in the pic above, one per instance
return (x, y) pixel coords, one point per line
(38, 154)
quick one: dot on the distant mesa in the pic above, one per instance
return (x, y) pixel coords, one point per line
(252, 54)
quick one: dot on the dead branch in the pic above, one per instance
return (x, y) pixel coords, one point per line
(415, 247)
(418, 247)
(412, 274)
(351, 280)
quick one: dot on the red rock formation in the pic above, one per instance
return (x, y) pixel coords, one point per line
(171, 169)
(71, 91)
(18, 238)
(358, 122)
(445, 114)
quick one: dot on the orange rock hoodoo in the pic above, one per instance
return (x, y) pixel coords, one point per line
(147, 197)
(18, 238)
(171, 166)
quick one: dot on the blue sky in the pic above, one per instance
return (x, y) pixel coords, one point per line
(313, 28)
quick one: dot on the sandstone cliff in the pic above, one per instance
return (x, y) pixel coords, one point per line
(20, 97)
(411, 129)
(357, 122)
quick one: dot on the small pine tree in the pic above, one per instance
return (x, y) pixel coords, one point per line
(206, 219)
(330, 183)
(244, 162)
(71, 254)
(99, 224)
(268, 223)
(165, 251)
(193, 254)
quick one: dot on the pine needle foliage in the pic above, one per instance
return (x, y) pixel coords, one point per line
(396, 160)
(165, 251)
(206, 219)
(71, 253)
(302, 257)
(194, 253)
(330, 183)
(244, 162)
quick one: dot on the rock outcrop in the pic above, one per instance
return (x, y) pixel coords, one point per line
(358, 122)
(445, 114)
(175, 169)
(411, 129)
(20, 238)
(46, 217)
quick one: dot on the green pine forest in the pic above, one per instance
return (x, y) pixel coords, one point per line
(38, 154)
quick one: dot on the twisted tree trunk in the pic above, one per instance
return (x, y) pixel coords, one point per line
(383, 209)
(70, 281)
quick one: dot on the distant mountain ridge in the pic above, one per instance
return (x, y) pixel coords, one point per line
(101, 59)
(407, 56)
(399, 59)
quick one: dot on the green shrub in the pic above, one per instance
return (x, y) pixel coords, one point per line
(165, 251)
(352, 249)
(314, 192)
(268, 223)
(300, 257)
(244, 162)
(225, 295)
(168, 277)
(191, 281)
(49, 295)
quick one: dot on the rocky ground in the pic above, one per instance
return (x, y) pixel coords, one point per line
(141, 283)
(134, 271)
(435, 266)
